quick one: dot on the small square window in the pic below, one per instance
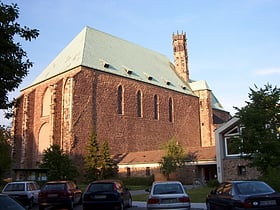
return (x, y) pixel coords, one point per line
(241, 170)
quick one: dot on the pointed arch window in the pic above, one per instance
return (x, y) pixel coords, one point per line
(139, 103)
(46, 103)
(156, 107)
(120, 100)
(170, 110)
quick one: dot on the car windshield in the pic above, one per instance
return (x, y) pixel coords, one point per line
(167, 189)
(54, 186)
(246, 188)
(14, 187)
(9, 204)
(101, 187)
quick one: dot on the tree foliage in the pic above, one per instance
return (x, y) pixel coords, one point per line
(14, 63)
(5, 151)
(98, 163)
(260, 118)
(174, 158)
(59, 165)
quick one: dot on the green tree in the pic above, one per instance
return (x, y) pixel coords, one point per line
(92, 158)
(14, 64)
(59, 165)
(174, 158)
(5, 151)
(98, 163)
(108, 168)
(260, 118)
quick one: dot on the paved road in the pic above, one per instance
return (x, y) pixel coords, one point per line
(135, 206)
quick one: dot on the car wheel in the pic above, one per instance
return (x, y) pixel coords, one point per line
(71, 205)
(31, 203)
(121, 206)
(41, 207)
(129, 202)
(209, 207)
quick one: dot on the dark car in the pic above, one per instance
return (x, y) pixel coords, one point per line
(106, 194)
(238, 195)
(26, 192)
(59, 193)
(8, 203)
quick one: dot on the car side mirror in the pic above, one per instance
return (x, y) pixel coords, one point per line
(147, 190)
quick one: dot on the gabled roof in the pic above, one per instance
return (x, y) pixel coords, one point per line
(202, 85)
(104, 52)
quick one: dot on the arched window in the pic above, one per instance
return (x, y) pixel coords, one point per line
(156, 109)
(120, 100)
(44, 138)
(139, 103)
(46, 103)
(170, 110)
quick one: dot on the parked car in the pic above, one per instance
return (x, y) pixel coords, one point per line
(233, 195)
(26, 192)
(8, 203)
(59, 193)
(106, 194)
(168, 195)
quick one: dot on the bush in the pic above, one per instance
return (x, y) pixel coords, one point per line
(272, 178)
(213, 183)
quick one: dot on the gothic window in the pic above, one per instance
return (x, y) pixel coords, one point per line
(44, 138)
(120, 100)
(46, 103)
(156, 108)
(170, 110)
(139, 103)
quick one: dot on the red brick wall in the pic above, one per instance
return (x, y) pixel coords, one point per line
(95, 107)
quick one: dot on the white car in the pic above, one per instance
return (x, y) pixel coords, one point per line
(26, 192)
(168, 195)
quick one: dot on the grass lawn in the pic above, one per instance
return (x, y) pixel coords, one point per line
(197, 195)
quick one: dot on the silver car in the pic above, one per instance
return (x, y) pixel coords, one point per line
(168, 195)
(26, 192)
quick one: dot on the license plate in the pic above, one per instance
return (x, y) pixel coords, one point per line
(171, 200)
(268, 203)
(100, 196)
(52, 195)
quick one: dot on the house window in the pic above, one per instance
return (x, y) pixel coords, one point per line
(120, 100)
(156, 107)
(170, 110)
(241, 170)
(148, 171)
(233, 143)
(232, 146)
(128, 172)
(139, 103)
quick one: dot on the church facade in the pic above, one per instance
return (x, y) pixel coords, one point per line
(132, 97)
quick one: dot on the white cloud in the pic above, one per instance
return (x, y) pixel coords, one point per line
(269, 71)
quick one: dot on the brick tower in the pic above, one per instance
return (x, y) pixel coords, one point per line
(181, 55)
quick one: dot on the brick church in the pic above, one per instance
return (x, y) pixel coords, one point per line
(132, 97)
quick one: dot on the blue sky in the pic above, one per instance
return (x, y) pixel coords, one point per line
(233, 45)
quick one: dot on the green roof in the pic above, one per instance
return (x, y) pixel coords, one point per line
(93, 48)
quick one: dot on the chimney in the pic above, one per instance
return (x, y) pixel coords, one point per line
(181, 55)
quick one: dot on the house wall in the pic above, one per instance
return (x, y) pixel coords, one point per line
(231, 167)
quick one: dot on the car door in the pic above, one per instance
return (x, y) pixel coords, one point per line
(225, 198)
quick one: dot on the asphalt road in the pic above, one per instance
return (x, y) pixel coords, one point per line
(135, 206)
